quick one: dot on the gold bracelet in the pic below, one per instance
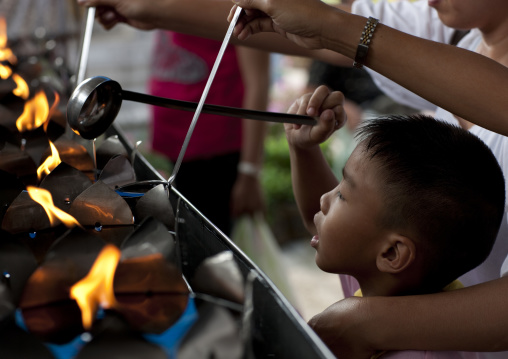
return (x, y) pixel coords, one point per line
(363, 46)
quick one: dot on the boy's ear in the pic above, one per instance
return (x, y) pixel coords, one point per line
(397, 254)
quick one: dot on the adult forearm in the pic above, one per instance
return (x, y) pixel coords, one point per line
(190, 18)
(471, 319)
(204, 18)
(432, 70)
(477, 316)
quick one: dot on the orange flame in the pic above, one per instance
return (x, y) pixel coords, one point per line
(44, 198)
(52, 110)
(5, 72)
(97, 287)
(50, 163)
(3, 33)
(35, 113)
(5, 53)
(22, 87)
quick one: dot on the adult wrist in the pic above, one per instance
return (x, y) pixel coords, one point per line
(344, 41)
(365, 40)
(248, 169)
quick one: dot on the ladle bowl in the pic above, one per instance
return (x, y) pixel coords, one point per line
(93, 106)
(95, 103)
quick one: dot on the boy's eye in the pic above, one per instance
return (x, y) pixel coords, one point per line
(339, 194)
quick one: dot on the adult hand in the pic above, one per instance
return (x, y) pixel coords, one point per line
(324, 103)
(298, 20)
(136, 13)
(339, 327)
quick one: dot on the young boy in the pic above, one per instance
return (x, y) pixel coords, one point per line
(420, 202)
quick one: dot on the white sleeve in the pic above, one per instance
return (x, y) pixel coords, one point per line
(415, 18)
(504, 268)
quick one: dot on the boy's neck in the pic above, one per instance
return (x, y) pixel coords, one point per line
(380, 288)
(389, 285)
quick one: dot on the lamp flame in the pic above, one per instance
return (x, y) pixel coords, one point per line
(6, 54)
(44, 198)
(22, 87)
(52, 110)
(50, 163)
(5, 72)
(3, 33)
(35, 113)
(97, 287)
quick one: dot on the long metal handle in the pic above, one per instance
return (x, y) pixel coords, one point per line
(85, 46)
(218, 110)
(82, 64)
(205, 93)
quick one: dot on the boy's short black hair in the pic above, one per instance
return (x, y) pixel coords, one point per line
(442, 185)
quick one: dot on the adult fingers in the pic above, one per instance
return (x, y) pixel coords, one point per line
(107, 17)
(250, 25)
(110, 3)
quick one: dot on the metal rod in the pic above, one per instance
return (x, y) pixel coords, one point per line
(83, 55)
(218, 110)
(205, 93)
(85, 46)
(94, 150)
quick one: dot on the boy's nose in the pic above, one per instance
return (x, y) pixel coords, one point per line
(323, 202)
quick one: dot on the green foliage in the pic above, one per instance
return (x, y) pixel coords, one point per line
(276, 179)
(276, 175)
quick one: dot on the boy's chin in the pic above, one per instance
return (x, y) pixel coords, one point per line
(323, 266)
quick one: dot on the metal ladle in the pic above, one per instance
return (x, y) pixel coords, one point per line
(95, 103)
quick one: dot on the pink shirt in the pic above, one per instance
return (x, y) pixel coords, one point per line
(181, 66)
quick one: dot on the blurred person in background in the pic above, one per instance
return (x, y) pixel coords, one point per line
(220, 170)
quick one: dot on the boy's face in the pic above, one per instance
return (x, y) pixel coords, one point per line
(348, 223)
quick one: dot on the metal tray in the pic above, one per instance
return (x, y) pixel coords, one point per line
(279, 331)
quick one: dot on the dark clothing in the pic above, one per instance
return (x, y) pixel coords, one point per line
(207, 185)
